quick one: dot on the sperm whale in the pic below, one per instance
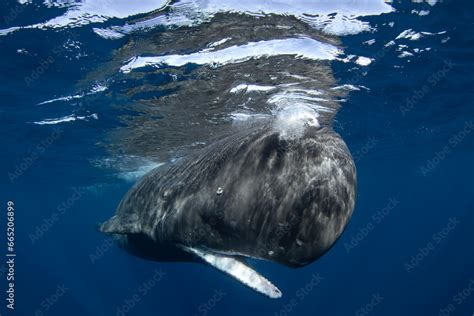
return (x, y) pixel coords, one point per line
(252, 194)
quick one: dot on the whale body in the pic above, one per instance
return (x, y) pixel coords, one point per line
(251, 194)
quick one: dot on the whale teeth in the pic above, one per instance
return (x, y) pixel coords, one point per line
(238, 270)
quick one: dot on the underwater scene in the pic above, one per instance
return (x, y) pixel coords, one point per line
(204, 157)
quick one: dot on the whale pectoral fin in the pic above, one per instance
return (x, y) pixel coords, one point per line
(239, 271)
(116, 225)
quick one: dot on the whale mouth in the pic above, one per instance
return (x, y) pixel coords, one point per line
(237, 269)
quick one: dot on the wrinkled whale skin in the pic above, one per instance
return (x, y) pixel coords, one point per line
(249, 194)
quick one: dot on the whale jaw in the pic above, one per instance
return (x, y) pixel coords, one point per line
(143, 246)
(238, 270)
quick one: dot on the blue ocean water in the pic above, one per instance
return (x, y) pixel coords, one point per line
(408, 121)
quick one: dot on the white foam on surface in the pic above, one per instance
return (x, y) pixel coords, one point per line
(409, 34)
(363, 61)
(66, 119)
(251, 88)
(95, 89)
(360, 60)
(108, 33)
(96, 11)
(420, 12)
(65, 99)
(337, 17)
(430, 2)
(220, 42)
(288, 98)
(369, 42)
(84, 12)
(300, 47)
(9, 30)
(292, 88)
(405, 54)
(339, 24)
(295, 7)
(348, 87)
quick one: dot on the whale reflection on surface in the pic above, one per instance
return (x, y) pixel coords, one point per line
(248, 102)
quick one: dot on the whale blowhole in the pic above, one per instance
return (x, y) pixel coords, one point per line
(291, 123)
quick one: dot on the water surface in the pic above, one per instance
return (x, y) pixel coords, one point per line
(96, 93)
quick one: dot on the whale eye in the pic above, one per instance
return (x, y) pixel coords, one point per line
(219, 191)
(166, 194)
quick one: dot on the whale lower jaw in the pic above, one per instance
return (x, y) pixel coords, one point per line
(238, 270)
